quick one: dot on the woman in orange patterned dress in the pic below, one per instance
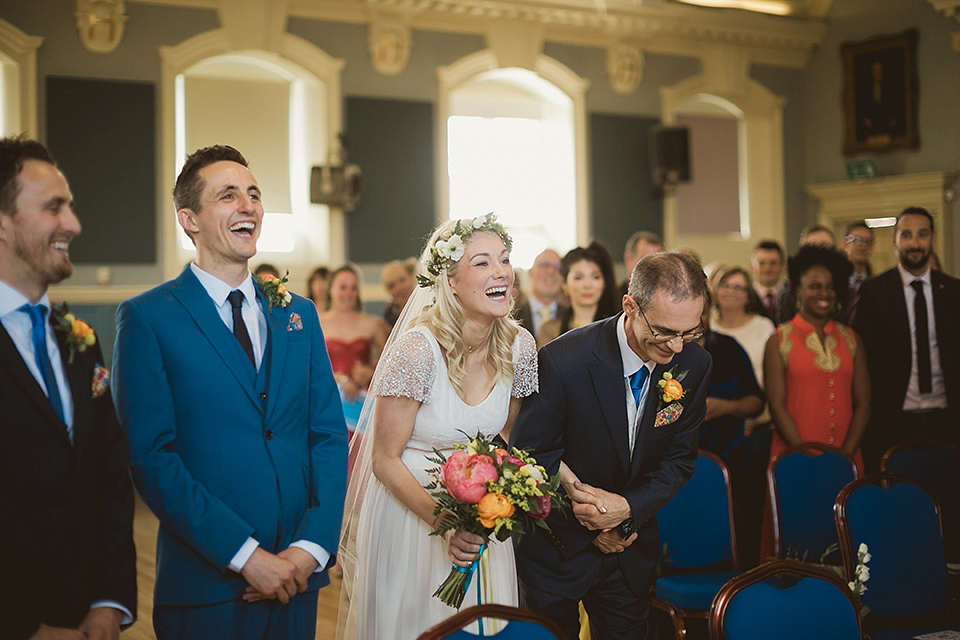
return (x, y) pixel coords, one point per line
(815, 368)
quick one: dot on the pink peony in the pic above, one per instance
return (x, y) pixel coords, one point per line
(466, 476)
(515, 460)
(542, 507)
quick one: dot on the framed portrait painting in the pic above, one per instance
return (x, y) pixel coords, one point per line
(880, 93)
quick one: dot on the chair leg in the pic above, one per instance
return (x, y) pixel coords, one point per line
(676, 617)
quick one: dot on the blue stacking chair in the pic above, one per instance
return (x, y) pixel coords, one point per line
(787, 601)
(697, 529)
(804, 482)
(937, 465)
(522, 624)
(899, 521)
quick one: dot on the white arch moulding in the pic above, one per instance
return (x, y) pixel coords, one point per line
(293, 53)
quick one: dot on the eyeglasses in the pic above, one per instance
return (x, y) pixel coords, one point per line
(858, 240)
(739, 288)
(687, 336)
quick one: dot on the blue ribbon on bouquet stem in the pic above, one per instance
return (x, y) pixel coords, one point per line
(470, 571)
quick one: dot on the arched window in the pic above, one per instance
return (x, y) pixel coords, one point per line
(512, 143)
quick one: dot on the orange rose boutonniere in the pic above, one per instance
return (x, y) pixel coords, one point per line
(275, 291)
(77, 334)
(670, 388)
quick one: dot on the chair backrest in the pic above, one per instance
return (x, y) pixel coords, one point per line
(521, 624)
(937, 465)
(697, 525)
(804, 482)
(787, 601)
(899, 521)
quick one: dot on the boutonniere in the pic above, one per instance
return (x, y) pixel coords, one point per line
(77, 334)
(274, 289)
(670, 388)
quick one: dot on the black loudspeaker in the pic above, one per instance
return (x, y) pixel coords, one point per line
(670, 154)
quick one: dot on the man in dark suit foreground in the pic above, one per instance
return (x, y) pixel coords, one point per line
(629, 462)
(66, 507)
(914, 366)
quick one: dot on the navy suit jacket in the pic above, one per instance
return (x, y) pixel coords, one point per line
(66, 511)
(580, 416)
(880, 318)
(221, 451)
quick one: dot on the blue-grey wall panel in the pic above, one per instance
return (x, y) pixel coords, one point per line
(392, 142)
(623, 196)
(101, 132)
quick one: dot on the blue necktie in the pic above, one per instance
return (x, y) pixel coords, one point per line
(636, 385)
(38, 314)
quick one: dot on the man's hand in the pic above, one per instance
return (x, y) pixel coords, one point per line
(463, 547)
(306, 564)
(102, 623)
(596, 508)
(611, 542)
(272, 577)
(56, 633)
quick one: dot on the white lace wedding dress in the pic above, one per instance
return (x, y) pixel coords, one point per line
(399, 565)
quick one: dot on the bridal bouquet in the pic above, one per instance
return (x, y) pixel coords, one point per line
(487, 491)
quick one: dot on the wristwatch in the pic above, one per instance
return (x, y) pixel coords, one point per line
(625, 528)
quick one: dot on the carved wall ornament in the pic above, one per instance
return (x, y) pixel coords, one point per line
(390, 43)
(101, 23)
(624, 67)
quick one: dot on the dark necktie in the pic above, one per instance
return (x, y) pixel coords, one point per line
(923, 337)
(636, 385)
(771, 310)
(37, 315)
(236, 298)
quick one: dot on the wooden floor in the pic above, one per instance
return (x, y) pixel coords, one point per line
(145, 537)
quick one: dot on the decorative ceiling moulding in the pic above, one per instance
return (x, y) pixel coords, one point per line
(667, 28)
(101, 24)
(390, 42)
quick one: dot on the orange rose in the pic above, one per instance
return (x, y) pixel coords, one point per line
(80, 329)
(493, 506)
(672, 390)
(267, 277)
(282, 290)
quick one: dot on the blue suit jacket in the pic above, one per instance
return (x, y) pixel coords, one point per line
(580, 416)
(219, 450)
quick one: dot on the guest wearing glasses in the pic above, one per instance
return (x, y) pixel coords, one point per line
(858, 244)
(632, 444)
(736, 313)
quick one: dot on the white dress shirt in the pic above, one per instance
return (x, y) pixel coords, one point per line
(256, 322)
(631, 364)
(937, 398)
(19, 326)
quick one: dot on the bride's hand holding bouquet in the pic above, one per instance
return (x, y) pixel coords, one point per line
(483, 490)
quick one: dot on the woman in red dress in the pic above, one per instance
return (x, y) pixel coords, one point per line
(815, 369)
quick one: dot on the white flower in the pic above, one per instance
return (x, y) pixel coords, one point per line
(863, 589)
(479, 221)
(865, 558)
(863, 573)
(852, 586)
(287, 298)
(455, 248)
(441, 248)
(862, 548)
(472, 447)
(532, 471)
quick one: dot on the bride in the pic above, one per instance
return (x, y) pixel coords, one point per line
(455, 364)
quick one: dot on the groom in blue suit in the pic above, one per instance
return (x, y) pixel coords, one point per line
(237, 439)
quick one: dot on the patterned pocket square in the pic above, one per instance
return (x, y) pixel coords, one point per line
(101, 381)
(668, 414)
(296, 324)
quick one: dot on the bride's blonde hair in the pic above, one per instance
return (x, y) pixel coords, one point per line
(445, 317)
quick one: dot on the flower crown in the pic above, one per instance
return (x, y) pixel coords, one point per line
(446, 251)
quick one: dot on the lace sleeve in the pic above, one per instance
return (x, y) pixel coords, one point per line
(408, 369)
(525, 380)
